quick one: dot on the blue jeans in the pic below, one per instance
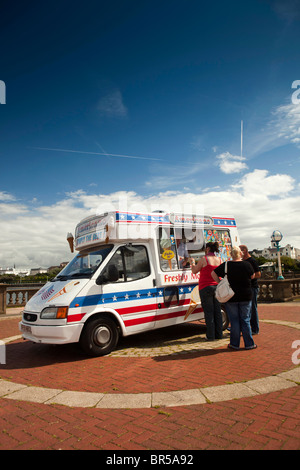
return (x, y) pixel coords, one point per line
(239, 314)
(212, 313)
(254, 314)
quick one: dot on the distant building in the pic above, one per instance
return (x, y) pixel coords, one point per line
(271, 252)
(29, 272)
(15, 271)
(62, 265)
(35, 271)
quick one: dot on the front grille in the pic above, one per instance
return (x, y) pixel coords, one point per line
(29, 316)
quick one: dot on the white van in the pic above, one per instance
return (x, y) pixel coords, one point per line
(127, 277)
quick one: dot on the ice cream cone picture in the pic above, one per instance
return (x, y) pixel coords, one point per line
(70, 239)
(65, 289)
(168, 255)
(195, 301)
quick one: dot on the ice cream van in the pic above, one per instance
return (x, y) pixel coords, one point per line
(130, 275)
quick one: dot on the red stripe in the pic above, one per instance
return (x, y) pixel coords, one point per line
(145, 308)
(164, 316)
(75, 317)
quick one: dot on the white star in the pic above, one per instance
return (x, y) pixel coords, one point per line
(138, 295)
(149, 294)
(126, 297)
(190, 289)
(160, 292)
(114, 298)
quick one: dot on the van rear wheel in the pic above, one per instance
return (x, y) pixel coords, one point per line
(99, 337)
(225, 319)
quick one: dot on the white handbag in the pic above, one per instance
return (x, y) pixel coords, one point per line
(223, 291)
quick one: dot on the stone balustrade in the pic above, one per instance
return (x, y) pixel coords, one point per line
(274, 290)
(16, 295)
(270, 290)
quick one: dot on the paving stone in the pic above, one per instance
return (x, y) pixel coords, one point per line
(178, 398)
(227, 392)
(7, 387)
(81, 399)
(34, 394)
(269, 384)
(293, 375)
(125, 400)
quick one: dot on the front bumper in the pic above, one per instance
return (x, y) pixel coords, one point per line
(56, 334)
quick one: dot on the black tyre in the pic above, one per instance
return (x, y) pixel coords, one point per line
(225, 318)
(99, 336)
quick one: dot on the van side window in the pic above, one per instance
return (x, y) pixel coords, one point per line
(224, 240)
(167, 249)
(132, 263)
(136, 262)
(190, 243)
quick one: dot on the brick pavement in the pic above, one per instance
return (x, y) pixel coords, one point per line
(263, 421)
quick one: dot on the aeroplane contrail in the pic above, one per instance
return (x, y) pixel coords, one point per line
(96, 153)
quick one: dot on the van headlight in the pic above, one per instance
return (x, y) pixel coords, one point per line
(54, 313)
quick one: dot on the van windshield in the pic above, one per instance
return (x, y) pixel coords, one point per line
(84, 264)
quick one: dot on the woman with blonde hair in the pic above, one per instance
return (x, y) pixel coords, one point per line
(238, 308)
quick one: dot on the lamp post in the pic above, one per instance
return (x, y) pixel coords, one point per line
(276, 238)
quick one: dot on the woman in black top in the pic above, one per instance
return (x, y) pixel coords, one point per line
(238, 308)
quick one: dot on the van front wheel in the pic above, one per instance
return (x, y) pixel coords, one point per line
(99, 337)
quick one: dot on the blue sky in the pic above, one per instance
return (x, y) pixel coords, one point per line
(89, 85)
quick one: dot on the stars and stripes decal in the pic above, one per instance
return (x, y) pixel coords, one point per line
(128, 217)
(224, 222)
(131, 217)
(125, 296)
(148, 303)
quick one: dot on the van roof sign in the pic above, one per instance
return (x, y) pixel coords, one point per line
(122, 225)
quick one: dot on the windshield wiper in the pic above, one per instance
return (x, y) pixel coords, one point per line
(60, 278)
(80, 275)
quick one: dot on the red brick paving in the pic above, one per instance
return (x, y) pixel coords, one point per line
(269, 421)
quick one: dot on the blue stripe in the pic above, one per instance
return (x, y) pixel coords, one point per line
(115, 297)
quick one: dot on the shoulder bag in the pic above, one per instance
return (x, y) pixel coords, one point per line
(223, 291)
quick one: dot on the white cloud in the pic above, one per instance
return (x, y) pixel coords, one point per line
(258, 182)
(261, 202)
(111, 105)
(286, 122)
(229, 163)
(282, 128)
(4, 196)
